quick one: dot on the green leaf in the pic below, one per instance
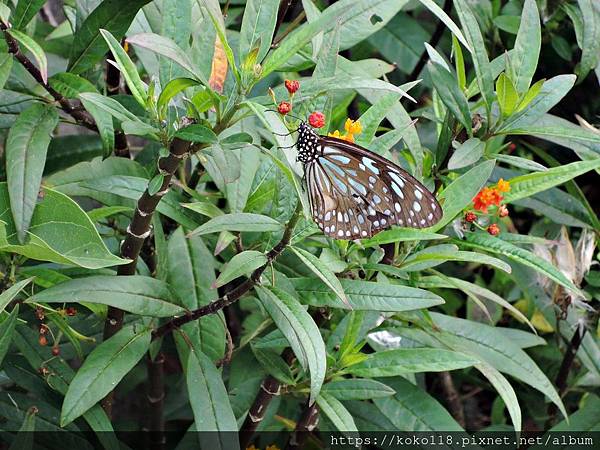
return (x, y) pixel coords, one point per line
(24, 439)
(238, 222)
(127, 67)
(524, 59)
(532, 183)
(60, 232)
(155, 184)
(6, 63)
(274, 365)
(210, 404)
(479, 54)
(451, 95)
(587, 418)
(258, 25)
(531, 94)
(7, 327)
(366, 295)
(466, 154)
(26, 148)
(398, 234)
(5, 13)
(9, 294)
(505, 390)
(507, 95)
(103, 368)
(26, 340)
(109, 105)
(88, 46)
(416, 260)
(357, 389)
(485, 242)
(132, 188)
(343, 13)
(70, 85)
(241, 264)
(322, 271)
(461, 191)
(104, 122)
(337, 413)
(25, 11)
(550, 94)
(412, 409)
(191, 273)
(371, 118)
(391, 363)
(301, 332)
(590, 45)
(173, 88)
(169, 49)
(205, 208)
(35, 49)
(521, 163)
(214, 11)
(136, 294)
(490, 345)
(197, 133)
(510, 24)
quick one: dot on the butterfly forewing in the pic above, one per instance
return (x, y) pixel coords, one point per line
(355, 193)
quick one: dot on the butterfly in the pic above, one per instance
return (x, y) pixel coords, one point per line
(355, 193)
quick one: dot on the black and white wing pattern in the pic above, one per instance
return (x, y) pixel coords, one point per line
(355, 193)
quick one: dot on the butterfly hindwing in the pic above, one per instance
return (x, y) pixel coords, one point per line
(356, 193)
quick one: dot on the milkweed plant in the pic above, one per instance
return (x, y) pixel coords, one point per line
(162, 262)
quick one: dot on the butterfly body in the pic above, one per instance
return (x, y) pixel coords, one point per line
(355, 193)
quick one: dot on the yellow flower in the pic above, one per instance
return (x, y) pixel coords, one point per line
(353, 126)
(335, 134)
(272, 447)
(348, 137)
(503, 186)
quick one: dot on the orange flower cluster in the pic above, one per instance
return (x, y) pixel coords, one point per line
(352, 127)
(489, 196)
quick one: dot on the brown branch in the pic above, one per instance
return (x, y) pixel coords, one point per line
(82, 117)
(156, 399)
(234, 295)
(113, 87)
(307, 423)
(284, 6)
(137, 232)
(565, 368)
(269, 388)
(453, 398)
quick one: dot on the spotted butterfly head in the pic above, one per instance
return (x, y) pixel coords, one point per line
(307, 143)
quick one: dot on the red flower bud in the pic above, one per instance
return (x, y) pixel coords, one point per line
(43, 329)
(71, 311)
(493, 229)
(55, 351)
(284, 108)
(503, 211)
(42, 340)
(292, 86)
(316, 119)
(470, 217)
